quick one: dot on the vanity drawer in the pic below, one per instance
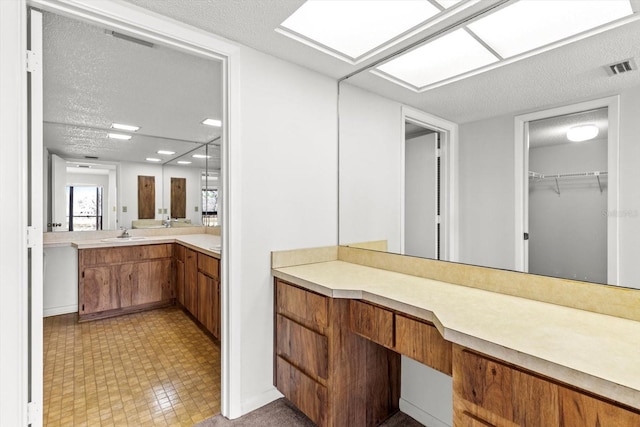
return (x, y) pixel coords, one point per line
(209, 265)
(371, 322)
(578, 409)
(307, 395)
(302, 347)
(304, 306)
(152, 251)
(501, 394)
(421, 341)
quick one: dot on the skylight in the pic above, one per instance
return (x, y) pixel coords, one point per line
(527, 25)
(354, 27)
(451, 55)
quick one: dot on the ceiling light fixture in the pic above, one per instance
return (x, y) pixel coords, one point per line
(349, 29)
(168, 153)
(523, 26)
(451, 55)
(212, 122)
(153, 159)
(184, 162)
(120, 126)
(119, 136)
(200, 156)
(582, 133)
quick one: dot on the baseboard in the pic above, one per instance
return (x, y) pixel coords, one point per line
(421, 416)
(258, 401)
(56, 311)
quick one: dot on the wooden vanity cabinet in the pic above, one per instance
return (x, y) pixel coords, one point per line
(118, 280)
(191, 281)
(179, 257)
(334, 376)
(489, 392)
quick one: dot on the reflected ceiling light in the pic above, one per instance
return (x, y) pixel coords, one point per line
(582, 133)
(201, 156)
(212, 122)
(119, 136)
(448, 3)
(153, 159)
(354, 27)
(526, 25)
(184, 162)
(120, 126)
(449, 56)
(167, 152)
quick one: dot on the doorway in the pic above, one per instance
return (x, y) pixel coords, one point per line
(566, 188)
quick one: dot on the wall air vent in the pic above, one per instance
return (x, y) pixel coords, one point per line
(91, 157)
(621, 67)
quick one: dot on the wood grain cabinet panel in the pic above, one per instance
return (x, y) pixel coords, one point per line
(178, 272)
(306, 394)
(306, 307)
(302, 347)
(580, 410)
(154, 282)
(421, 341)
(126, 277)
(206, 289)
(209, 265)
(191, 281)
(372, 322)
(99, 290)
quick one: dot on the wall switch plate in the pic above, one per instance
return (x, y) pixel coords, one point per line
(164, 210)
(160, 211)
(196, 209)
(124, 209)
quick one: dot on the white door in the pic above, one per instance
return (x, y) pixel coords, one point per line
(34, 80)
(421, 234)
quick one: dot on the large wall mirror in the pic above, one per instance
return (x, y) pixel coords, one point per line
(490, 106)
(170, 104)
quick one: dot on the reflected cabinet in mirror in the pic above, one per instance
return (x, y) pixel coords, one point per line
(130, 130)
(518, 150)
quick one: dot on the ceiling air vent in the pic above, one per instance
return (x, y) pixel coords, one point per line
(621, 67)
(91, 157)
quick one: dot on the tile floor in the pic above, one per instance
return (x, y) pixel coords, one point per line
(155, 368)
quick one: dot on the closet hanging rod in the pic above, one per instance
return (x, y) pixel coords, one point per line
(537, 175)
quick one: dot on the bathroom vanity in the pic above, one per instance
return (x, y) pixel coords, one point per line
(117, 277)
(344, 315)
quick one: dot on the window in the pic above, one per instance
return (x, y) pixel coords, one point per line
(84, 208)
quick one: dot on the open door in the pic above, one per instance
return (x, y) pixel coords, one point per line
(35, 215)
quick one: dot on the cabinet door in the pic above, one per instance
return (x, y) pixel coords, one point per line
(126, 277)
(205, 301)
(216, 309)
(98, 290)
(179, 277)
(153, 283)
(191, 281)
(578, 409)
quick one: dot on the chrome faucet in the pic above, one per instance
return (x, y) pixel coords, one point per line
(167, 222)
(125, 233)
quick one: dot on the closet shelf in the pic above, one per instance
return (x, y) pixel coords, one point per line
(539, 177)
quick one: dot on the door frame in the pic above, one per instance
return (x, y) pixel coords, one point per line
(448, 178)
(521, 162)
(148, 25)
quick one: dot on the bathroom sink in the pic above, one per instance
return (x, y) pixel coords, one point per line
(123, 239)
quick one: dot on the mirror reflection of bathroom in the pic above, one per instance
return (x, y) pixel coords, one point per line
(422, 195)
(567, 212)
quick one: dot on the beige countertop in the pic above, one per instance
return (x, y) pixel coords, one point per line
(208, 244)
(595, 352)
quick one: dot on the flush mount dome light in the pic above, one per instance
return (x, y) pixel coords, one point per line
(582, 133)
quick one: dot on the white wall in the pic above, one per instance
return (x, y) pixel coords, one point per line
(568, 231)
(370, 167)
(193, 178)
(285, 195)
(60, 287)
(128, 186)
(371, 141)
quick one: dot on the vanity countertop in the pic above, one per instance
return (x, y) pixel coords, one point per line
(208, 244)
(592, 351)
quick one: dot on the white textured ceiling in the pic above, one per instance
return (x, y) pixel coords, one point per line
(92, 79)
(553, 131)
(570, 73)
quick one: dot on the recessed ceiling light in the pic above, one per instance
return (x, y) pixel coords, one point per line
(526, 25)
(168, 153)
(451, 55)
(201, 156)
(119, 136)
(212, 122)
(582, 133)
(354, 27)
(184, 162)
(120, 126)
(153, 159)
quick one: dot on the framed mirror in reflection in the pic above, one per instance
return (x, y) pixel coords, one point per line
(118, 109)
(514, 189)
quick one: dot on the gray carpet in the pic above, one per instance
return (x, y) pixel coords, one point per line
(281, 413)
